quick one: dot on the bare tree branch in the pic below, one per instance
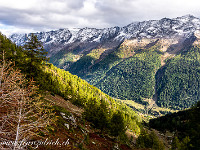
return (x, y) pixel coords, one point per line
(21, 113)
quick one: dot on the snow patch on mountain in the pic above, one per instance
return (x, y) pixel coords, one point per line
(56, 40)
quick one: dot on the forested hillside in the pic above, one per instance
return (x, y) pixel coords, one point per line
(178, 81)
(138, 72)
(99, 107)
(133, 78)
(184, 124)
(107, 115)
(120, 74)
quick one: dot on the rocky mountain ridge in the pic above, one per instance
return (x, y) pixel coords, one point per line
(85, 39)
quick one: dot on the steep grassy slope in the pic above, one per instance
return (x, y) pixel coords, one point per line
(72, 129)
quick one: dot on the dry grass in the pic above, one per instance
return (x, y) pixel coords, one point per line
(59, 101)
(152, 105)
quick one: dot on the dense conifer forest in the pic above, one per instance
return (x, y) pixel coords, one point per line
(184, 124)
(132, 73)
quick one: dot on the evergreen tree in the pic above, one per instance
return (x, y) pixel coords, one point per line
(185, 144)
(117, 124)
(149, 140)
(36, 55)
(175, 143)
(156, 143)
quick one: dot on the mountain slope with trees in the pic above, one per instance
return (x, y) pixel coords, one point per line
(184, 124)
(142, 72)
(133, 78)
(107, 115)
(143, 60)
(178, 81)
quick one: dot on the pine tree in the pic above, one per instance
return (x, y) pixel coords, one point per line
(117, 124)
(185, 144)
(36, 55)
(175, 143)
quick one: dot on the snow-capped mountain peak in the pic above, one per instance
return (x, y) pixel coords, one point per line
(89, 38)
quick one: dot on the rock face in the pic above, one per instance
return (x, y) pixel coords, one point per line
(82, 41)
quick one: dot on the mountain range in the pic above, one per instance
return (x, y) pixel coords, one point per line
(156, 59)
(86, 39)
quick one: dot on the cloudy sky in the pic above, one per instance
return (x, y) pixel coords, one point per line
(43, 15)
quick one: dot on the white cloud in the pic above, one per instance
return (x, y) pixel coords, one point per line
(18, 4)
(36, 15)
(8, 30)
